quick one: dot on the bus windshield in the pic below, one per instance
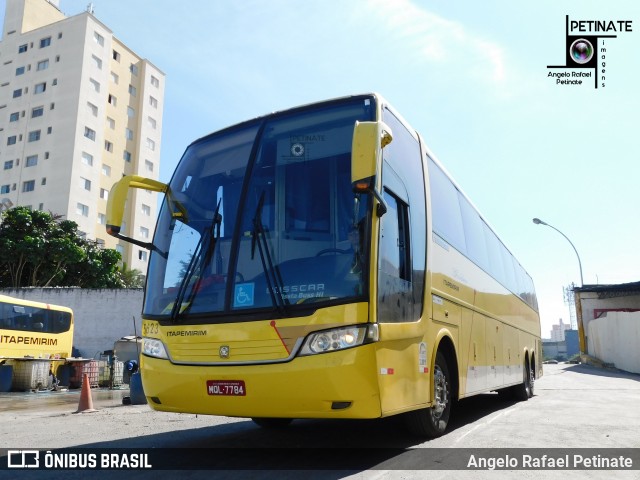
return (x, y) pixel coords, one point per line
(268, 220)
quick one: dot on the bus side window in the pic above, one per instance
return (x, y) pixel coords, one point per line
(395, 299)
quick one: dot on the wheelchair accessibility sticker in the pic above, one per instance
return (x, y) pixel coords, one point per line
(243, 295)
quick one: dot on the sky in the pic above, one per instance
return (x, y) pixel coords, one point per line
(470, 76)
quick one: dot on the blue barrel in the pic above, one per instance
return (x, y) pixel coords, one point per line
(6, 377)
(136, 391)
(64, 374)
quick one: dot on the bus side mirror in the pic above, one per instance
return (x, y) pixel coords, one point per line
(369, 138)
(117, 199)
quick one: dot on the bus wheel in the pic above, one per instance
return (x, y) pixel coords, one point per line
(524, 391)
(272, 423)
(432, 422)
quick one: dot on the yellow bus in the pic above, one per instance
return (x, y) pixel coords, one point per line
(320, 263)
(34, 329)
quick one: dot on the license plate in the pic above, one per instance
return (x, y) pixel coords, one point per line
(226, 388)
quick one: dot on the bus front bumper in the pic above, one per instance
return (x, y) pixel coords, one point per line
(340, 384)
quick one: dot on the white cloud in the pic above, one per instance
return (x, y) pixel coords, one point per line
(438, 40)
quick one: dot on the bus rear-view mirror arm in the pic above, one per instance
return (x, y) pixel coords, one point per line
(369, 138)
(116, 202)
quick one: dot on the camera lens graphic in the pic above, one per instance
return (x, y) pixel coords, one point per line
(581, 51)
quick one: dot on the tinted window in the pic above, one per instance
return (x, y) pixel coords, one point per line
(447, 218)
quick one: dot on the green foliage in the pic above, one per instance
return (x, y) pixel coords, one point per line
(39, 250)
(132, 278)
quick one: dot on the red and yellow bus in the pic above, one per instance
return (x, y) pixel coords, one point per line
(34, 329)
(320, 263)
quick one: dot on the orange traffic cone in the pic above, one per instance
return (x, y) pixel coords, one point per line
(85, 405)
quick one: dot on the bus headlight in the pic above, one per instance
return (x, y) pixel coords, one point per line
(339, 339)
(154, 348)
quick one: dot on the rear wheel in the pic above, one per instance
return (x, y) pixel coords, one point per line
(273, 423)
(432, 422)
(524, 391)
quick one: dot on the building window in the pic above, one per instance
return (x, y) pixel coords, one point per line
(82, 209)
(93, 108)
(32, 160)
(14, 117)
(106, 170)
(128, 134)
(130, 112)
(40, 87)
(90, 134)
(144, 232)
(97, 62)
(111, 122)
(153, 102)
(29, 186)
(133, 69)
(152, 122)
(108, 146)
(43, 65)
(132, 91)
(22, 48)
(46, 155)
(115, 78)
(154, 81)
(49, 130)
(151, 145)
(85, 183)
(11, 140)
(99, 39)
(146, 210)
(45, 42)
(95, 84)
(148, 164)
(8, 165)
(112, 100)
(102, 219)
(34, 136)
(142, 255)
(44, 181)
(126, 156)
(87, 159)
(17, 93)
(5, 189)
(19, 71)
(37, 112)
(104, 193)
(116, 56)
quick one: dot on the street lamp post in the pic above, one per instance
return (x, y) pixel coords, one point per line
(537, 221)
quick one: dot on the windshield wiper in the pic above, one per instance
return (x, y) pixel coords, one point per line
(199, 262)
(271, 272)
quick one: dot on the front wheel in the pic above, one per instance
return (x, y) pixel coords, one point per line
(432, 422)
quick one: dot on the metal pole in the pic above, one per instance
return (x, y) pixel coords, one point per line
(537, 221)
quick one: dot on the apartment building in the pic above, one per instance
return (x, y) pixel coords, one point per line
(78, 109)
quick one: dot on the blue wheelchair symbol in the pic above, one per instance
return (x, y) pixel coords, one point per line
(243, 295)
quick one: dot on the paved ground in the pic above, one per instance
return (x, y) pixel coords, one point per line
(575, 406)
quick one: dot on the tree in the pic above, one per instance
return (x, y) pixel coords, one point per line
(132, 278)
(38, 249)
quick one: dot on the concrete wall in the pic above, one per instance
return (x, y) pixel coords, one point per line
(101, 316)
(614, 338)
